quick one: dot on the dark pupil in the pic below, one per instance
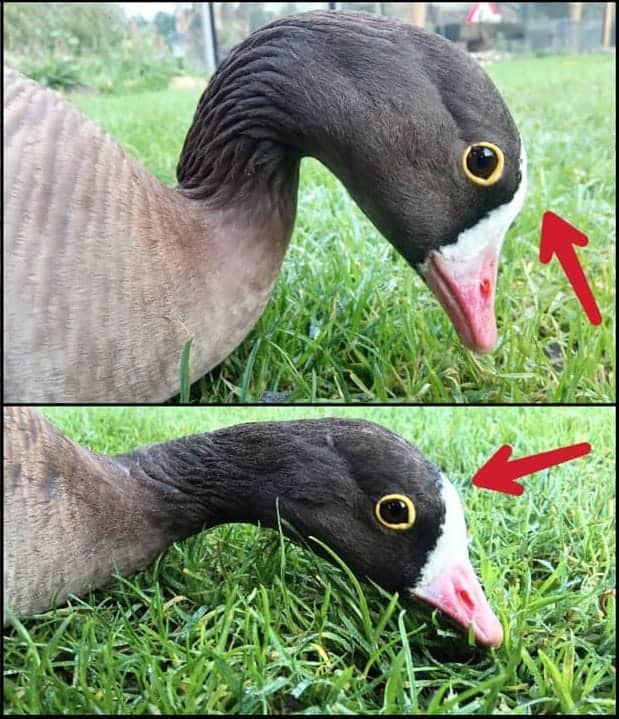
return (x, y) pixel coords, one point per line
(394, 511)
(481, 162)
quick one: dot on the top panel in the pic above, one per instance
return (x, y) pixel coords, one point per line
(449, 237)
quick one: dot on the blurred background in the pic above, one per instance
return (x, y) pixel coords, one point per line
(115, 47)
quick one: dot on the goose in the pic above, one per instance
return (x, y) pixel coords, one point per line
(109, 272)
(72, 517)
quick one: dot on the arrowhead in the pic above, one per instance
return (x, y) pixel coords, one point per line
(497, 475)
(558, 236)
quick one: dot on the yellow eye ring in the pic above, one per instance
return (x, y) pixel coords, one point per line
(496, 173)
(382, 508)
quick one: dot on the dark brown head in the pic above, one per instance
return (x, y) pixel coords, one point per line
(410, 123)
(368, 494)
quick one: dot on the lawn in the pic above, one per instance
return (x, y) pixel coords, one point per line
(350, 321)
(238, 620)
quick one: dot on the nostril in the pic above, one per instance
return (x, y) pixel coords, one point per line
(484, 288)
(465, 598)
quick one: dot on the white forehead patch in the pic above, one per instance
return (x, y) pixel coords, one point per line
(492, 229)
(452, 545)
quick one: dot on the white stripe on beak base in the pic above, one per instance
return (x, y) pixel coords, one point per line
(492, 229)
(448, 580)
(452, 545)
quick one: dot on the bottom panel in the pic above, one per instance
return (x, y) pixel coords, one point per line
(400, 569)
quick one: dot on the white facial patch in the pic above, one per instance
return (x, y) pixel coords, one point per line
(491, 231)
(452, 545)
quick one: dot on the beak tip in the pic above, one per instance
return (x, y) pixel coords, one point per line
(483, 347)
(492, 637)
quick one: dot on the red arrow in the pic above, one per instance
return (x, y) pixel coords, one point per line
(499, 474)
(558, 238)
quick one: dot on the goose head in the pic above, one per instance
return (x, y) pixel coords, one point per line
(362, 490)
(410, 123)
(390, 513)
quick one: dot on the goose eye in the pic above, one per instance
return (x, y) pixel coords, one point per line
(395, 511)
(483, 163)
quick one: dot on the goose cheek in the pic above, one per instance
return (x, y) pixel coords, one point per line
(463, 274)
(457, 592)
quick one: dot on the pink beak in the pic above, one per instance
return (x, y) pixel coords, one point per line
(466, 290)
(458, 593)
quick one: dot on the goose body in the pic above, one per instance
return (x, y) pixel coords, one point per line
(108, 272)
(72, 518)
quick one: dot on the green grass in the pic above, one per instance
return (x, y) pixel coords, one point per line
(239, 620)
(349, 320)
